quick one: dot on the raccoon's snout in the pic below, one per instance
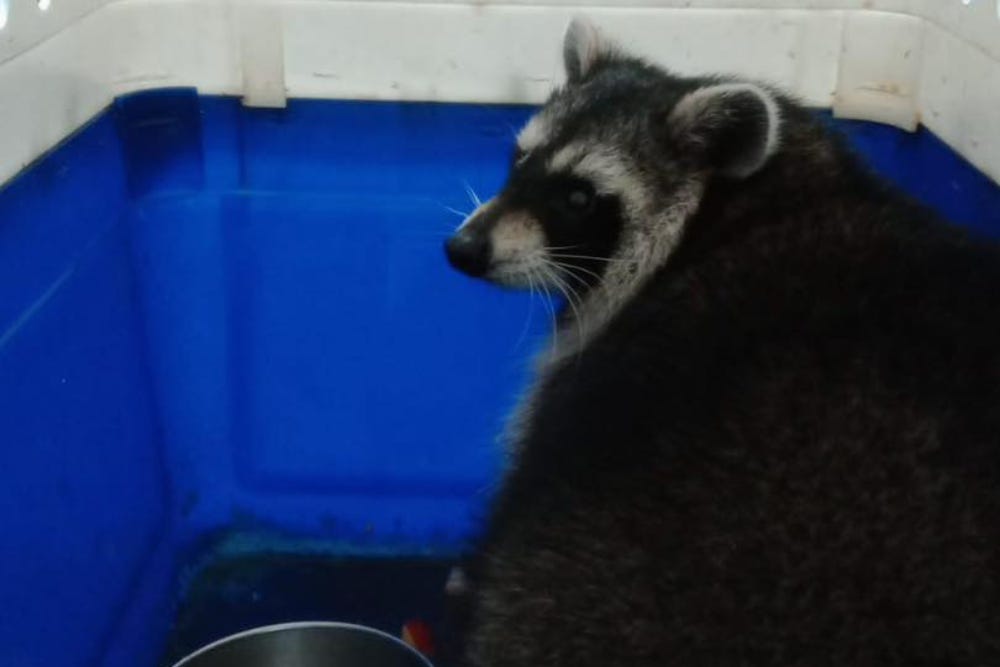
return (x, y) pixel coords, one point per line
(469, 251)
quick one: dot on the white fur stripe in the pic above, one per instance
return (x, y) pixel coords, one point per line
(533, 134)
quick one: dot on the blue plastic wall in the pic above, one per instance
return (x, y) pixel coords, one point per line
(224, 328)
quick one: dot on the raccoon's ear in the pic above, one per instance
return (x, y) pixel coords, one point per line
(733, 128)
(582, 47)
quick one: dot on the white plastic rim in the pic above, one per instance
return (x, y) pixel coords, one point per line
(904, 62)
(302, 625)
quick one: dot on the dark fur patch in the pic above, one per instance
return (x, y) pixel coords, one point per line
(576, 232)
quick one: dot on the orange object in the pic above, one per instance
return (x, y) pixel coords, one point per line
(417, 634)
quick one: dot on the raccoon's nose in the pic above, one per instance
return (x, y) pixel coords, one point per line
(469, 252)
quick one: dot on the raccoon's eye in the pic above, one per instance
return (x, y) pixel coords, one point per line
(579, 197)
(569, 197)
(518, 156)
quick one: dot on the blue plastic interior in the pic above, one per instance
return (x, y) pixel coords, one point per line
(232, 329)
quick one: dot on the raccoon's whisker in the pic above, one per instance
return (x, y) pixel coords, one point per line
(583, 284)
(486, 488)
(557, 273)
(552, 272)
(461, 214)
(608, 260)
(551, 280)
(559, 247)
(531, 308)
(570, 293)
(472, 194)
(568, 270)
(572, 296)
(571, 269)
(547, 301)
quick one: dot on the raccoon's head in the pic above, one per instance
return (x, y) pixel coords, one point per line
(605, 176)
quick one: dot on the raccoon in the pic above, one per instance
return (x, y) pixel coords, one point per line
(768, 431)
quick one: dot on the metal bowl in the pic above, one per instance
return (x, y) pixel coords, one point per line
(310, 644)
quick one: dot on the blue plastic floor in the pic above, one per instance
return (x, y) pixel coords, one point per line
(229, 332)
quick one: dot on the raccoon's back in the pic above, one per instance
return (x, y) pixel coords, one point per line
(788, 454)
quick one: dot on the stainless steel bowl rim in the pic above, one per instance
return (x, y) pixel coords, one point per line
(300, 625)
